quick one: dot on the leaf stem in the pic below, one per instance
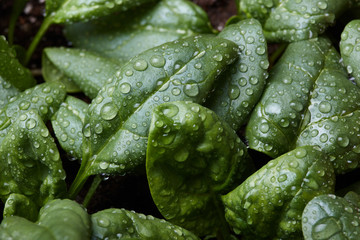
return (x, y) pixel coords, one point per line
(43, 28)
(95, 184)
(15, 13)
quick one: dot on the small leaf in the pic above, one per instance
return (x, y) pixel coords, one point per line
(269, 204)
(240, 88)
(30, 161)
(350, 49)
(64, 11)
(331, 217)
(79, 70)
(125, 35)
(20, 205)
(192, 158)
(68, 123)
(112, 223)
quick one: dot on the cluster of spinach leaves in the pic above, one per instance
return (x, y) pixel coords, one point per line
(173, 99)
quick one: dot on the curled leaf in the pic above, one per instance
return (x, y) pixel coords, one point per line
(192, 158)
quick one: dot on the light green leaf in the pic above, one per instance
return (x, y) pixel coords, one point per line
(269, 204)
(68, 123)
(192, 158)
(240, 88)
(118, 119)
(20, 205)
(123, 224)
(126, 35)
(79, 70)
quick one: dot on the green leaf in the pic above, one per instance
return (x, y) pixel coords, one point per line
(58, 219)
(269, 204)
(331, 217)
(338, 137)
(293, 20)
(349, 46)
(192, 158)
(308, 84)
(79, 70)
(64, 11)
(118, 119)
(68, 123)
(44, 98)
(240, 88)
(126, 35)
(30, 161)
(20, 205)
(115, 223)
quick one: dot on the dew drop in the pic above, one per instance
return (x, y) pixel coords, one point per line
(30, 123)
(191, 90)
(140, 65)
(324, 107)
(157, 61)
(108, 111)
(125, 88)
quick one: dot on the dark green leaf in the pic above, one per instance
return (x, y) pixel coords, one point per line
(64, 11)
(293, 20)
(124, 36)
(192, 158)
(68, 123)
(123, 224)
(77, 69)
(350, 49)
(117, 123)
(30, 162)
(332, 217)
(269, 204)
(237, 92)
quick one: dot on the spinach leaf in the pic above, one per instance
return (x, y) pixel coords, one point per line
(30, 162)
(13, 76)
(240, 88)
(68, 123)
(269, 204)
(117, 122)
(58, 219)
(20, 205)
(64, 11)
(350, 49)
(332, 217)
(79, 70)
(126, 35)
(124, 224)
(307, 85)
(192, 158)
(293, 20)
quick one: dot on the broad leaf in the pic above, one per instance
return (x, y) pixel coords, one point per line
(192, 158)
(293, 20)
(350, 49)
(126, 35)
(118, 119)
(123, 224)
(269, 204)
(240, 88)
(332, 217)
(68, 123)
(79, 70)
(30, 162)
(58, 219)
(64, 11)
(306, 86)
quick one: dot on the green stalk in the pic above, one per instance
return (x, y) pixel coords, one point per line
(78, 183)
(96, 182)
(44, 27)
(15, 13)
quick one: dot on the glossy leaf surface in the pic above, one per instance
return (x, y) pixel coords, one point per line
(79, 70)
(269, 204)
(240, 88)
(293, 20)
(123, 224)
(30, 162)
(65, 11)
(118, 119)
(308, 84)
(350, 49)
(192, 158)
(68, 123)
(58, 220)
(332, 217)
(126, 35)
